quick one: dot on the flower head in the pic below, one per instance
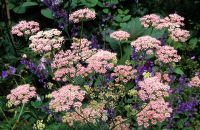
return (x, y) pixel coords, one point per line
(66, 97)
(21, 94)
(25, 28)
(120, 35)
(82, 14)
(195, 81)
(167, 54)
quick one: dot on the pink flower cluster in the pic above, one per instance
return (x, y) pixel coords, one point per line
(101, 61)
(150, 20)
(167, 54)
(178, 34)
(67, 64)
(146, 43)
(123, 73)
(119, 124)
(195, 82)
(120, 35)
(155, 111)
(151, 89)
(91, 113)
(25, 28)
(66, 97)
(82, 14)
(163, 77)
(173, 22)
(21, 95)
(46, 41)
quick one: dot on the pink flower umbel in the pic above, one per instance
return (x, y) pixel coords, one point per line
(82, 14)
(123, 73)
(120, 35)
(150, 20)
(93, 112)
(46, 41)
(195, 82)
(151, 89)
(21, 95)
(25, 28)
(146, 43)
(155, 111)
(101, 61)
(66, 97)
(167, 54)
(179, 35)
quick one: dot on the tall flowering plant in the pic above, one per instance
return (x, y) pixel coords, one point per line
(91, 86)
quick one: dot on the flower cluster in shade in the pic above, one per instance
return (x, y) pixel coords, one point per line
(146, 43)
(120, 35)
(67, 97)
(123, 73)
(119, 123)
(39, 125)
(167, 54)
(46, 41)
(82, 14)
(81, 60)
(21, 95)
(25, 28)
(195, 81)
(173, 22)
(155, 111)
(151, 89)
(93, 112)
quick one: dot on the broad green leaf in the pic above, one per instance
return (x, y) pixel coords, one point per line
(89, 3)
(19, 9)
(47, 13)
(126, 18)
(28, 4)
(193, 42)
(179, 71)
(106, 10)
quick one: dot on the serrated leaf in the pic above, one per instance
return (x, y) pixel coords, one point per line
(47, 13)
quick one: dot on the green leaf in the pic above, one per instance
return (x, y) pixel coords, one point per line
(126, 18)
(120, 11)
(193, 43)
(11, 6)
(118, 18)
(90, 3)
(19, 9)
(28, 4)
(179, 71)
(106, 10)
(47, 13)
(134, 28)
(126, 54)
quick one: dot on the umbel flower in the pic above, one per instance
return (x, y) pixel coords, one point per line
(25, 28)
(120, 35)
(66, 97)
(195, 82)
(151, 89)
(167, 54)
(156, 111)
(45, 41)
(146, 43)
(21, 95)
(82, 14)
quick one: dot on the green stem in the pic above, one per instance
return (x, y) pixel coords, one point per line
(81, 29)
(4, 114)
(18, 116)
(21, 78)
(120, 46)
